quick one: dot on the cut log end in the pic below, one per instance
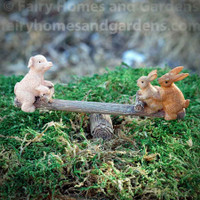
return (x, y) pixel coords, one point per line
(101, 126)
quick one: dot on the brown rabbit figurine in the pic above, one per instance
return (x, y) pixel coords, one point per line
(150, 94)
(172, 97)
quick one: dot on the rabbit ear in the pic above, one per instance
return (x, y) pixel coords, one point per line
(152, 75)
(180, 77)
(30, 62)
(176, 70)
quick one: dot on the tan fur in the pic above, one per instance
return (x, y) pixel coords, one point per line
(150, 94)
(33, 84)
(172, 97)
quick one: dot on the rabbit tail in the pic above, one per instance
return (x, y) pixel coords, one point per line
(186, 104)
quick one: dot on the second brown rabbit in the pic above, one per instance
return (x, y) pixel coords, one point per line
(172, 97)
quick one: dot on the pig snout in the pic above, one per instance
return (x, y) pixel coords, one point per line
(50, 64)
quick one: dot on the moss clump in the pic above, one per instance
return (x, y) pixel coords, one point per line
(46, 155)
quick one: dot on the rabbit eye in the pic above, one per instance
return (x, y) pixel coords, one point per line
(39, 61)
(142, 81)
(166, 82)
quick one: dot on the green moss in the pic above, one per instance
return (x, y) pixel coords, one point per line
(50, 154)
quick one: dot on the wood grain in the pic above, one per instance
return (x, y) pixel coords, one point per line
(101, 126)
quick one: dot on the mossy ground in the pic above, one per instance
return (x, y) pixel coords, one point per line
(51, 155)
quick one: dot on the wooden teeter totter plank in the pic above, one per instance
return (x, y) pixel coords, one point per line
(96, 107)
(92, 107)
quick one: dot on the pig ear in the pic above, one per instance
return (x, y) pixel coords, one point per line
(152, 75)
(177, 70)
(30, 62)
(180, 77)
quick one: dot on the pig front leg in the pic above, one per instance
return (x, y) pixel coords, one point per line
(48, 84)
(43, 90)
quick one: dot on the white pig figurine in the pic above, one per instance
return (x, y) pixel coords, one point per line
(33, 84)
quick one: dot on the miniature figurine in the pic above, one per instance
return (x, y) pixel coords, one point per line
(173, 100)
(33, 84)
(149, 94)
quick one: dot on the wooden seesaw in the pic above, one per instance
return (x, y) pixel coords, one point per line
(34, 84)
(100, 121)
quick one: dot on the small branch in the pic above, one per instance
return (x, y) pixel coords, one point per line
(91, 107)
(96, 107)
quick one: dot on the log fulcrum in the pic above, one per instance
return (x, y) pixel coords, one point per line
(101, 126)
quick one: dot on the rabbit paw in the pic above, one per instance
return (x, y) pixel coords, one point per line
(139, 92)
